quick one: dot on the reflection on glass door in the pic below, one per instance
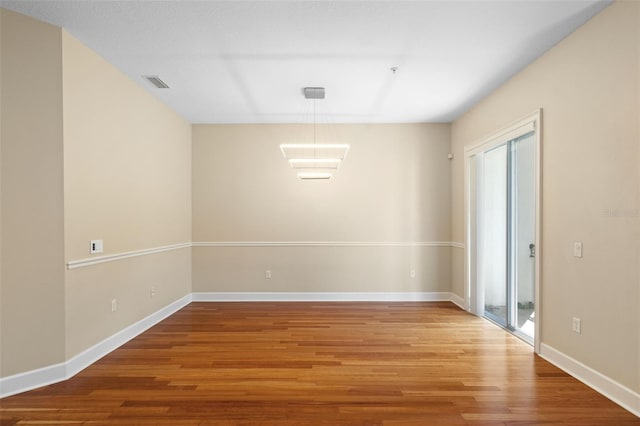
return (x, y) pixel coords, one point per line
(506, 224)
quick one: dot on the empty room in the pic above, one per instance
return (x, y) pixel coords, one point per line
(320, 212)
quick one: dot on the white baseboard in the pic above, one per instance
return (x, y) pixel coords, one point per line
(33, 379)
(618, 393)
(94, 353)
(324, 297)
(457, 300)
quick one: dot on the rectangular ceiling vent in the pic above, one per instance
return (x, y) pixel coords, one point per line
(314, 92)
(155, 80)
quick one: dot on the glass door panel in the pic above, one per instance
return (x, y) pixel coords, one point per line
(494, 207)
(523, 233)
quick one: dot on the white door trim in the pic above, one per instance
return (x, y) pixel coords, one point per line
(532, 121)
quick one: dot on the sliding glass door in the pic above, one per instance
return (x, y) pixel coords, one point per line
(505, 207)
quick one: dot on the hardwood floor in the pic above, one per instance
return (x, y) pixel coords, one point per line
(319, 364)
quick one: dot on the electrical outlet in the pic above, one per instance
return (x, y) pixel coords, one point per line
(412, 273)
(114, 305)
(152, 292)
(267, 274)
(576, 325)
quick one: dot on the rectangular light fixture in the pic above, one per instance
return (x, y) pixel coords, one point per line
(315, 145)
(312, 157)
(311, 150)
(314, 175)
(314, 163)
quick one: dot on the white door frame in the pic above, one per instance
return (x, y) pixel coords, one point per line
(472, 291)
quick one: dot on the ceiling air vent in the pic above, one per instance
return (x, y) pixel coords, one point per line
(313, 92)
(155, 80)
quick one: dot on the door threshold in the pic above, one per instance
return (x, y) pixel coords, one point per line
(514, 332)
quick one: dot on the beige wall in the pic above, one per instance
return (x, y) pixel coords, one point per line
(86, 154)
(393, 187)
(89, 291)
(127, 160)
(32, 295)
(127, 181)
(588, 89)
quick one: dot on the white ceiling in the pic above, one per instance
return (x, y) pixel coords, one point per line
(247, 61)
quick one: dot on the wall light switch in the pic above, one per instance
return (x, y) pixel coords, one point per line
(577, 249)
(576, 325)
(267, 274)
(412, 273)
(96, 246)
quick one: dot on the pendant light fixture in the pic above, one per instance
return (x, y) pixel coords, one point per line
(312, 157)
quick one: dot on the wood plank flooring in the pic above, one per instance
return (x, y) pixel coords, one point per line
(319, 364)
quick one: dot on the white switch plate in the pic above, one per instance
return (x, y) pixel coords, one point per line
(577, 249)
(267, 274)
(576, 325)
(114, 305)
(96, 246)
(412, 273)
